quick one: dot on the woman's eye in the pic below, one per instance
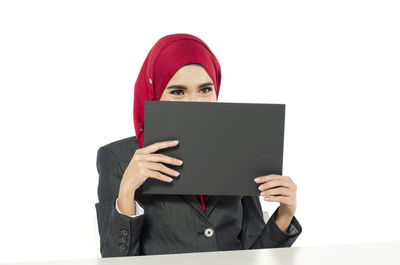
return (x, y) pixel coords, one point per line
(173, 92)
(209, 89)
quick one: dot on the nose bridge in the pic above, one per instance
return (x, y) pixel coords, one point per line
(193, 95)
(196, 97)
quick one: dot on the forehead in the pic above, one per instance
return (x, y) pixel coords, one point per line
(192, 73)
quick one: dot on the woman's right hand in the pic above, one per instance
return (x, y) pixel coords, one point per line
(144, 164)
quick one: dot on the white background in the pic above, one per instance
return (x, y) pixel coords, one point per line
(67, 73)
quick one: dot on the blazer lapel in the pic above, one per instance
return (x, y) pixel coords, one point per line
(210, 204)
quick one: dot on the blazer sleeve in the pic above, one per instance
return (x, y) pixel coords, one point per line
(256, 234)
(119, 233)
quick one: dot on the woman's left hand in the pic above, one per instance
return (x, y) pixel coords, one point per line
(284, 190)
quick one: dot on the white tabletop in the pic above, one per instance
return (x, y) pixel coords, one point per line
(385, 253)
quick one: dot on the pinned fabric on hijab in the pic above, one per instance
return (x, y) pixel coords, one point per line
(167, 56)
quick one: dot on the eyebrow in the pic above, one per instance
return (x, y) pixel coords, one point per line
(184, 87)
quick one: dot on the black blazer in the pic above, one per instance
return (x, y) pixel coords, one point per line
(177, 223)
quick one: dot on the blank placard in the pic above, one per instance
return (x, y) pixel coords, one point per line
(223, 146)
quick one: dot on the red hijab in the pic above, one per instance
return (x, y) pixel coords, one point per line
(167, 56)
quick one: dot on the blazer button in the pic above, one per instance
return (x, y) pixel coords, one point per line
(123, 232)
(209, 232)
(123, 239)
(122, 246)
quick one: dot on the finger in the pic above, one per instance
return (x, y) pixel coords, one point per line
(274, 184)
(161, 158)
(267, 178)
(272, 177)
(157, 146)
(161, 168)
(277, 191)
(157, 175)
(280, 199)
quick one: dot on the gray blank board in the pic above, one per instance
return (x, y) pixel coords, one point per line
(223, 146)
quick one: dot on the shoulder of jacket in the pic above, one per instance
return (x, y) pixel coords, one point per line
(122, 150)
(130, 141)
(122, 147)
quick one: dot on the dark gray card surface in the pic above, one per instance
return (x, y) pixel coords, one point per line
(223, 146)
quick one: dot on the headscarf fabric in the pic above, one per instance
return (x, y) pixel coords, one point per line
(166, 57)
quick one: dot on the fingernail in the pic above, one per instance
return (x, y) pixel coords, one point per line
(180, 162)
(176, 173)
(256, 179)
(170, 179)
(176, 141)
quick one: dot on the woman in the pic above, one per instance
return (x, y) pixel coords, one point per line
(180, 67)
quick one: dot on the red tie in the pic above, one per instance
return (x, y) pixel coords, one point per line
(203, 200)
